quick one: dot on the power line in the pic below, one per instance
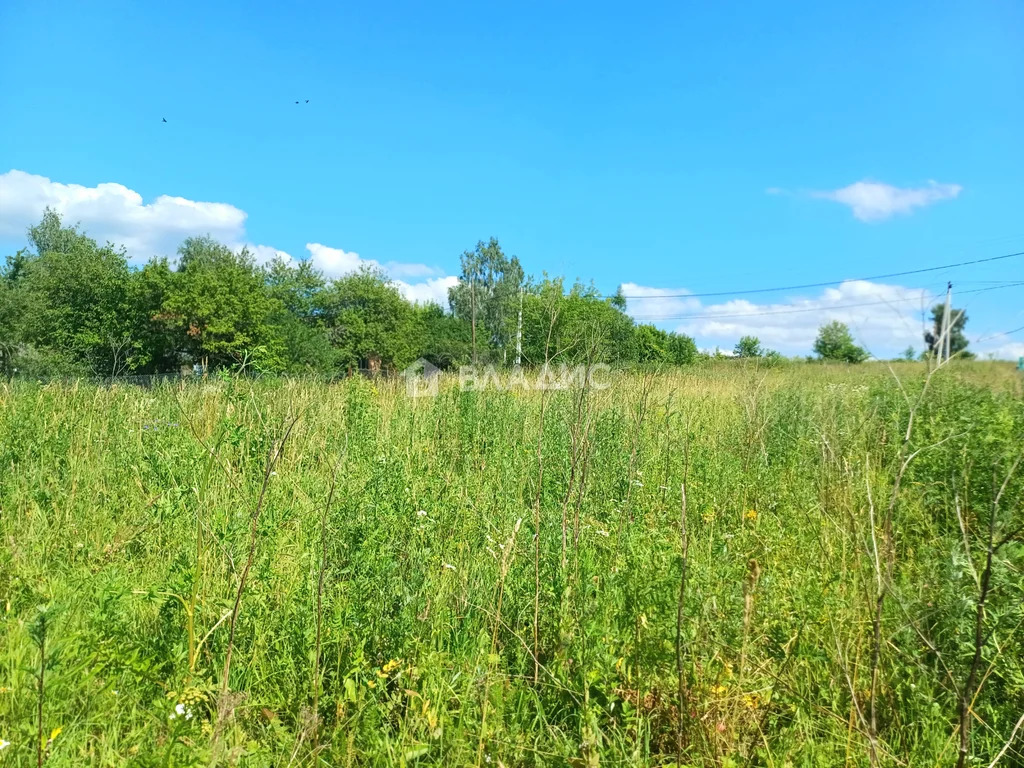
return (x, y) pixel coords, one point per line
(791, 311)
(989, 282)
(824, 284)
(997, 335)
(818, 308)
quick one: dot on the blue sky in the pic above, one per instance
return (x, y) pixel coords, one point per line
(672, 147)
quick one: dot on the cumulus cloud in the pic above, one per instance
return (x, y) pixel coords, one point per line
(875, 201)
(116, 213)
(886, 318)
(113, 212)
(335, 262)
(401, 269)
(1012, 351)
(649, 305)
(1000, 346)
(434, 290)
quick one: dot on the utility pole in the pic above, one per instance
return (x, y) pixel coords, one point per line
(946, 322)
(519, 331)
(472, 304)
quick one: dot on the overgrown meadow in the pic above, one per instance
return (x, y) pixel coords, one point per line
(720, 566)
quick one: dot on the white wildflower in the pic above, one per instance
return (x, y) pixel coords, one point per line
(602, 532)
(448, 566)
(421, 513)
(180, 710)
(4, 744)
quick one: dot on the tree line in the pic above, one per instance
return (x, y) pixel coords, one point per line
(71, 307)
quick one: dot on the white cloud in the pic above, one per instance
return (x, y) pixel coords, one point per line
(650, 304)
(334, 262)
(433, 290)
(398, 269)
(116, 213)
(1008, 350)
(113, 212)
(886, 320)
(875, 201)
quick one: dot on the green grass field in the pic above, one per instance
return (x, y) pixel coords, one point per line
(514, 578)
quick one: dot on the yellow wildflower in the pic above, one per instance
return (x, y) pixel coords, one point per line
(750, 514)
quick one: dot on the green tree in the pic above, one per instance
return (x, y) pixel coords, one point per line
(150, 288)
(487, 297)
(13, 312)
(368, 321)
(297, 287)
(443, 339)
(51, 236)
(79, 299)
(682, 349)
(297, 320)
(14, 266)
(543, 321)
(835, 342)
(618, 300)
(748, 346)
(586, 328)
(957, 340)
(218, 308)
(652, 344)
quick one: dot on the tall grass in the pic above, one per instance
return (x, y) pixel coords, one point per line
(448, 581)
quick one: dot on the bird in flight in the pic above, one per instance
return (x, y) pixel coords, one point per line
(307, 101)
(165, 119)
